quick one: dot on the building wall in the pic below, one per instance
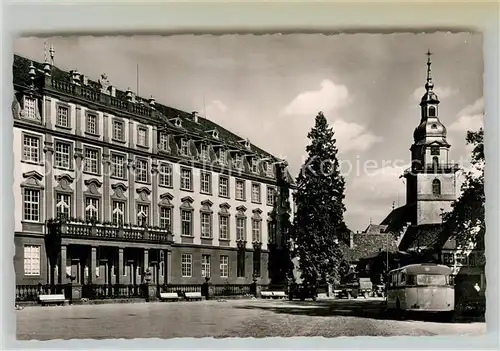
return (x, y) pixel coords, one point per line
(21, 277)
(46, 176)
(431, 206)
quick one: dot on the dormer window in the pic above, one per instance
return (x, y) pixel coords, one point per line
(432, 111)
(30, 107)
(214, 134)
(238, 162)
(184, 147)
(204, 152)
(434, 150)
(269, 169)
(255, 165)
(223, 156)
(163, 142)
(247, 144)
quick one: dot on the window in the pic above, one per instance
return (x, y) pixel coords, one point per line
(223, 156)
(240, 228)
(142, 215)
(224, 228)
(204, 152)
(118, 214)
(142, 136)
(436, 187)
(163, 142)
(186, 229)
(166, 174)
(166, 218)
(435, 162)
(91, 209)
(255, 166)
(31, 260)
(91, 161)
(431, 279)
(91, 124)
(256, 262)
(31, 205)
(31, 148)
(224, 266)
(435, 150)
(271, 196)
(30, 107)
(256, 229)
(186, 176)
(63, 155)
(117, 166)
(256, 193)
(142, 171)
(461, 259)
(223, 186)
(269, 169)
(448, 258)
(205, 183)
(205, 266)
(63, 205)
(184, 147)
(240, 262)
(62, 118)
(206, 225)
(432, 111)
(118, 130)
(187, 265)
(240, 189)
(238, 162)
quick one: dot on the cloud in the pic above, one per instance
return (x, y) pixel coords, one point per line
(216, 106)
(441, 92)
(470, 117)
(353, 136)
(327, 98)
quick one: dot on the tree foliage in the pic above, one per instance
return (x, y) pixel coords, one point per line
(319, 216)
(465, 222)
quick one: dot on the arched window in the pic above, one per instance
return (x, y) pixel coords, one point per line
(436, 187)
(432, 111)
(435, 162)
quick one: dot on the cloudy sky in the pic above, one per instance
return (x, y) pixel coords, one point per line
(269, 88)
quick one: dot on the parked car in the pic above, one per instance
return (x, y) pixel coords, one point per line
(302, 292)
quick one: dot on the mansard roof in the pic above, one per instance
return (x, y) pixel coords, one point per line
(203, 128)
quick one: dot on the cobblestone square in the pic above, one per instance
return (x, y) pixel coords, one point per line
(233, 318)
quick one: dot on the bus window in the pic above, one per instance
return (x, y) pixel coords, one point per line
(431, 279)
(403, 279)
(410, 280)
(451, 280)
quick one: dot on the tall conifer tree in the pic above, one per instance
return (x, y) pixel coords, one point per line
(320, 210)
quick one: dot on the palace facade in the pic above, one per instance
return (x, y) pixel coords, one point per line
(108, 185)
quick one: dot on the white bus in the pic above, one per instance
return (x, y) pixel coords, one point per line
(421, 287)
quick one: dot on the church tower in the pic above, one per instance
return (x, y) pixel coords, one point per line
(431, 179)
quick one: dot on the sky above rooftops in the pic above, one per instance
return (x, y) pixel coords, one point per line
(269, 88)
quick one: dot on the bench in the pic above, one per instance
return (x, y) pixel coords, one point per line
(58, 299)
(193, 295)
(164, 296)
(273, 294)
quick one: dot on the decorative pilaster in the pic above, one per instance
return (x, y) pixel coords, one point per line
(132, 217)
(120, 266)
(146, 260)
(155, 140)
(131, 142)
(168, 268)
(48, 112)
(49, 189)
(106, 186)
(105, 128)
(78, 120)
(154, 203)
(93, 264)
(62, 266)
(80, 205)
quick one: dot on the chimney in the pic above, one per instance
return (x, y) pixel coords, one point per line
(75, 77)
(112, 91)
(194, 114)
(85, 79)
(351, 240)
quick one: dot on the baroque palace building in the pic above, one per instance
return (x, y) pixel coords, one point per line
(108, 185)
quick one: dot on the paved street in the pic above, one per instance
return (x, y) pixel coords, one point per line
(234, 318)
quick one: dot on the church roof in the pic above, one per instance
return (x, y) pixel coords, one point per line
(398, 218)
(375, 229)
(426, 235)
(367, 245)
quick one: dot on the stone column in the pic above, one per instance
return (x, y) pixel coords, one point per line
(80, 205)
(93, 264)
(154, 194)
(105, 190)
(62, 266)
(49, 189)
(168, 267)
(78, 121)
(120, 278)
